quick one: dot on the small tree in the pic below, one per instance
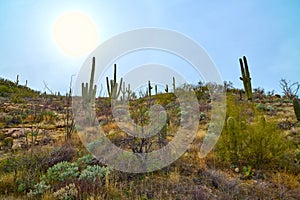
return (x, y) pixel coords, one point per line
(289, 89)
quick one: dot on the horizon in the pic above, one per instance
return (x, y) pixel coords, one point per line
(267, 33)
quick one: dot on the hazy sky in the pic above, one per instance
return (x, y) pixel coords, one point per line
(267, 32)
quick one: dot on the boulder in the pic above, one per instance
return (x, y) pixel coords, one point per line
(18, 133)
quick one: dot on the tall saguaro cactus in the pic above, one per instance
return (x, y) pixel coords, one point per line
(123, 91)
(246, 77)
(114, 88)
(296, 108)
(149, 88)
(89, 90)
(174, 85)
(233, 132)
(17, 80)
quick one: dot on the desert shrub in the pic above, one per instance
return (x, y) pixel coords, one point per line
(26, 169)
(8, 143)
(15, 119)
(2, 136)
(260, 106)
(39, 189)
(62, 172)
(7, 184)
(92, 174)
(16, 98)
(63, 153)
(270, 108)
(4, 91)
(47, 116)
(68, 192)
(251, 140)
(84, 161)
(8, 119)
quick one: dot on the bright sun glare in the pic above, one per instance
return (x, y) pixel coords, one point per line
(75, 33)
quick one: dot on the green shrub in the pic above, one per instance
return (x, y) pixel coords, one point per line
(84, 161)
(260, 106)
(251, 140)
(8, 143)
(4, 91)
(39, 189)
(63, 171)
(16, 98)
(270, 108)
(7, 184)
(93, 173)
(8, 119)
(15, 119)
(2, 136)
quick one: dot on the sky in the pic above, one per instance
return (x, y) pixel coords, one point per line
(267, 32)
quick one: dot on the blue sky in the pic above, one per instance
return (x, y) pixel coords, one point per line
(267, 32)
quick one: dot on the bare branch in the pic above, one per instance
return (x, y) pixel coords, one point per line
(46, 86)
(290, 90)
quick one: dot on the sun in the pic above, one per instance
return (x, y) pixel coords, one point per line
(75, 33)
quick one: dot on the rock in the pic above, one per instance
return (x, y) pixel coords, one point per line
(18, 133)
(15, 146)
(237, 170)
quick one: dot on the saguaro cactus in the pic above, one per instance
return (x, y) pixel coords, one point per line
(114, 88)
(89, 90)
(174, 86)
(232, 129)
(167, 88)
(128, 90)
(296, 108)
(123, 91)
(155, 89)
(149, 88)
(246, 77)
(17, 80)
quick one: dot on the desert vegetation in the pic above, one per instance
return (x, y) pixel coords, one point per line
(256, 157)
